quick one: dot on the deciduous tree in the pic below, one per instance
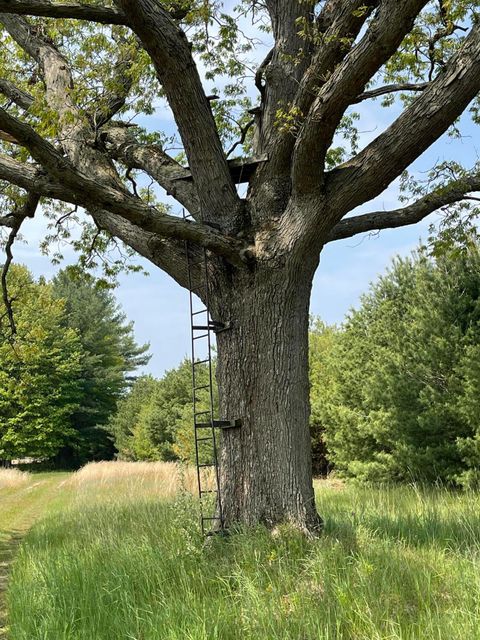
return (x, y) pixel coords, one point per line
(39, 373)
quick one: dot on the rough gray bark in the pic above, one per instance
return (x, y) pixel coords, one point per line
(263, 249)
(262, 371)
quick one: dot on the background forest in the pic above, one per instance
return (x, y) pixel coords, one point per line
(394, 389)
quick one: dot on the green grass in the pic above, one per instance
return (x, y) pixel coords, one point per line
(398, 563)
(24, 498)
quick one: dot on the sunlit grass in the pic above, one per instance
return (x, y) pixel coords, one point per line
(393, 563)
(13, 478)
(117, 480)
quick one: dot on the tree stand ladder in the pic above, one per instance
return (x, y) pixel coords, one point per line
(205, 424)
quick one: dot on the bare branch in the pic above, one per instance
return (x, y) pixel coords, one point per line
(243, 135)
(390, 88)
(260, 73)
(27, 211)
(454, 192)
(121, 145)
(76, 10)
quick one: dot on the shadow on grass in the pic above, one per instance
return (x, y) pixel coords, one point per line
(454, 531)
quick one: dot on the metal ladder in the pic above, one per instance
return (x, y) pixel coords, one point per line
(204, 422)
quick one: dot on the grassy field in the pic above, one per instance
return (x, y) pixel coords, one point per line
(124, 560)
(24, 498)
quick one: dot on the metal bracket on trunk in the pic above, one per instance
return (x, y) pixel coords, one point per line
(220, 424)
(213, 325)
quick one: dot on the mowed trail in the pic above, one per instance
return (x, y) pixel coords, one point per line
(19, 510)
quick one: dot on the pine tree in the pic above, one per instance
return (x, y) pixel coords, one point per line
(110, 357)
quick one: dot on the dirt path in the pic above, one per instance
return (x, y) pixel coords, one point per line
(19, 510)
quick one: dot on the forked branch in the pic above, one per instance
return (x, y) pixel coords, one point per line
(370, 172)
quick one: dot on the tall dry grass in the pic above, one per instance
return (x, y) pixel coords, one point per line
(162, 479)
(13, 478)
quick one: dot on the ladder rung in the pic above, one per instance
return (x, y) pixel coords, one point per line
(201, 327)
(209, 439)
(208, 491)
(210, 518)
(202, 413)
(206, 464)
(204, 386)
(204, 335)
(201, 361)
(197, 313)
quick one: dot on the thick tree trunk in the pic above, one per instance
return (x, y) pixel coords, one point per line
(262, 371)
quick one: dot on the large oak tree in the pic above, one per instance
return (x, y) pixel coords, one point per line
(74, 74)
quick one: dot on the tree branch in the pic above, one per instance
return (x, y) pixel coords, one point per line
(390, 88)
(117, 100)
(76, 10)
(392, 23)
(89, 193)
(121, 145)
(282, 70)
(167, 254)
(370, 172)
(21, 98)
(172, 58)
(28, 177)
(27, 211)
(454, 192)
(341, 22)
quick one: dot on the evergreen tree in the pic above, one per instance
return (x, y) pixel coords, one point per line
(321, 340)
(110, 355)
(400, 398)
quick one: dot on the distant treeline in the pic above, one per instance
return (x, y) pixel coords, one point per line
(397, 387)
(395, 390)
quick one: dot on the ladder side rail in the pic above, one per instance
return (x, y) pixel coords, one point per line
(212, 404)
(194, 399)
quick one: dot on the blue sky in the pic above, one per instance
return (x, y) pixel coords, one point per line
(159, 307)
